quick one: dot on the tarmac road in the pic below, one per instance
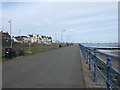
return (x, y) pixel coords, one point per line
(60, 68)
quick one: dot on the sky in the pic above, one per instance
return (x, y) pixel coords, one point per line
(83, 22)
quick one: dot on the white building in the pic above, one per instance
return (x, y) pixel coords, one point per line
(21, 39)
(33, 38)
(49, 40)
(25, 39)
(15, 40)
(39, 38)
(46, 40)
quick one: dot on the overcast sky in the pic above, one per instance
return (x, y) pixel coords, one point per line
(83, 21)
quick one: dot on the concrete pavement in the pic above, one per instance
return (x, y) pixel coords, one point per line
(60, 68)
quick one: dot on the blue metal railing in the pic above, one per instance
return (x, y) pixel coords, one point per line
(110, 74)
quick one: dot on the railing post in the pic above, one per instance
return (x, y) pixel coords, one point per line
(95, 65)
(85, 52)
(89, 58)
(109, 64)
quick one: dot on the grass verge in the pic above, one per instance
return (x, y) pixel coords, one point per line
(35, 49)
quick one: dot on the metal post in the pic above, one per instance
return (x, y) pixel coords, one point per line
(61, 36)
(84, 52)
(95, 65)
(89, 58)
(109, 64)
(86, 56)
(10, 35)
(83, 49)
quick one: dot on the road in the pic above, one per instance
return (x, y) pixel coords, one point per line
(59, 68)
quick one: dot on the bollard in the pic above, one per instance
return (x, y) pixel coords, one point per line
(95, 65)
(109, 64)
(89, 58)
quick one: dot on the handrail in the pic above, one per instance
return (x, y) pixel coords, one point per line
(108, 71)
(115, 70)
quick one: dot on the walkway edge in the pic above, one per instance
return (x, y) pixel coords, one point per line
(88, 74)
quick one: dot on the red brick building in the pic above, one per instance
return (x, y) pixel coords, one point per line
(4, 35)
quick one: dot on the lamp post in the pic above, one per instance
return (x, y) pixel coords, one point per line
(62, 34)
(10, 34)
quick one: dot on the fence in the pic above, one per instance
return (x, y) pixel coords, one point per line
(109, 73)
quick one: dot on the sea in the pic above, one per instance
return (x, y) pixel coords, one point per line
(114, 53)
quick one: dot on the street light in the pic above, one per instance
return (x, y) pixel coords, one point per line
(10, 34)
(62, 34)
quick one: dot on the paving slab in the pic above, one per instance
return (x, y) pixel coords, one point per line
(60, 68)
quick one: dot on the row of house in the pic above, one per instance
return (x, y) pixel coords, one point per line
(32, 38)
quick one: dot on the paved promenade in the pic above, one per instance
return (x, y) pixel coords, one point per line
(60, 68)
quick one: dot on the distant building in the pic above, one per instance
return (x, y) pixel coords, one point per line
(25, 39)
(5, 39)
(39, 39)
(21, 39)
(49, 40)
(46, 40)
(14, 39)
(33, 38)
(4, 35)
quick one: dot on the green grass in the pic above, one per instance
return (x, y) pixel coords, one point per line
(40, 48)
(35, 49)
(0, 60)
(0, 57)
